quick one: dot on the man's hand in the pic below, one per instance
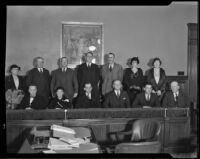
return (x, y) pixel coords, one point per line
(153, 91)
(158, 92)
(75, 95)
(28, 108)
(147, 107)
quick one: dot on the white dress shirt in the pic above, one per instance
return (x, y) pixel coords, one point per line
(64, 69)
(31, 100)
(148, 97)
(40, 69)
(176, 95)
(88, 95)
(88, 64)
(117, 92)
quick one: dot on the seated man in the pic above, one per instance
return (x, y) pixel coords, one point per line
(89, 99)
(32, 100)
(117, 98)
(146, 99)
(60, 101)
(175, 98)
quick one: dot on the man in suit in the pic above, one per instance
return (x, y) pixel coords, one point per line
(40, 77)
(117, 98)
(89, 99)
(66, 78)
(146, 99)
(32, 100)
(175, 98)
(88, 73)
(110, 72)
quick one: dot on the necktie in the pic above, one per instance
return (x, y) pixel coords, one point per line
(176, 97)
(41, 70)
(110, 68)
(64, 70)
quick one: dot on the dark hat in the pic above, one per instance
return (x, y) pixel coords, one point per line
(14, 66)
(135, 59)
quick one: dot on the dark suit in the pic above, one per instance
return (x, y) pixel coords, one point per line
(88, 75)
(162, 81)
(57, 103)
(67, 80)
(112, 101)
(169, 100)
(38, 102)
(84, 102)
(41, 80)
(9, 83)
(141, 101)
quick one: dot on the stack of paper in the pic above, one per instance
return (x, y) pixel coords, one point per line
(62, 132)
(74, 142)
(56, 144)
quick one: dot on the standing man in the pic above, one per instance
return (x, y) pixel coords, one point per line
(88, 73)
(66, 78)
(110, 72)
(39, 76)
(117, 98)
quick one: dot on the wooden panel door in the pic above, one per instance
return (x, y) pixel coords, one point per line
(193, 62)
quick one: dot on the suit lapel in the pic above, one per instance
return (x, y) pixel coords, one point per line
(12, 81)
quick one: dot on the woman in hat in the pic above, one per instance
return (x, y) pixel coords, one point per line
(15, 87)
(14, 81)
(133, 79)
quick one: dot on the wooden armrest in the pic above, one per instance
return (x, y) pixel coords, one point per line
(124, 132)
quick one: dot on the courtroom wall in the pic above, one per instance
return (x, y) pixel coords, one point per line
(143, 31)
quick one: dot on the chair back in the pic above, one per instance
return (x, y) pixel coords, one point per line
(82, 132)
(145, 129)
(141, 147)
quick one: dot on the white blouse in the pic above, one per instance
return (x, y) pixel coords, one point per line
(16, 81)
(157, 75)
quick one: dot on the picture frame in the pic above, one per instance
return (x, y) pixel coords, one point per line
(78, 38)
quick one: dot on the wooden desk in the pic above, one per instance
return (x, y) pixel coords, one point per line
(83, 148)
(175, 123)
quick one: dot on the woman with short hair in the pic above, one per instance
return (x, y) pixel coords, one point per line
(157, 77)
(133, 79)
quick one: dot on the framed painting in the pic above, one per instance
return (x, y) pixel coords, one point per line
(79, 38)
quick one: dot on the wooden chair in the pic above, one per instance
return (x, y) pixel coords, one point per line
(144, 138)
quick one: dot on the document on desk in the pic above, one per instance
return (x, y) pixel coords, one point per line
(75, 141)
(56, 144)
(62, 132)
(83, 148)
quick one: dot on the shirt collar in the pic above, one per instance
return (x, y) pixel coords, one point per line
(177, 93)
(88, 63)
(112, 65)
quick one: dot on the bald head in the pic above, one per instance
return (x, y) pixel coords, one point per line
(117, 85)
(174, 86)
